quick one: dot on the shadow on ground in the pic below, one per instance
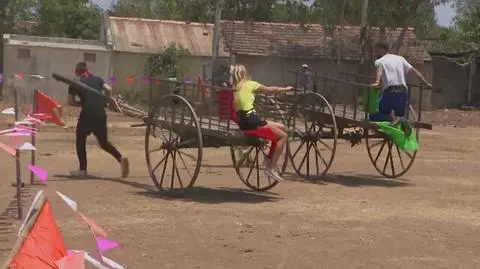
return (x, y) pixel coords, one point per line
(9, 216)
(133, 184)
(352, 180)
(213, 196)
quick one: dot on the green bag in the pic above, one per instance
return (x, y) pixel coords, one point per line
(405, 143)
(370, 100)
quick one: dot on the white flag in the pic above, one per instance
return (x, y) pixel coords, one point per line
(9, 111)
(27, 146)
(72, 204)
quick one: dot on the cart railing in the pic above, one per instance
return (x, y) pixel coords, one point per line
(213, 105)
(345, 96)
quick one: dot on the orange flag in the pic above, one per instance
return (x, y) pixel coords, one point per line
(95, 228)
(8, 149)
(44, 244)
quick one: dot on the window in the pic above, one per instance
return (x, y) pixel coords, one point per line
(90, 57)
(23, 53)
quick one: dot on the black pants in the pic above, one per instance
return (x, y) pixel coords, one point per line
(98, 126)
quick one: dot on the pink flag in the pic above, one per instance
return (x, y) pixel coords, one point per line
(74, 260)
(21, 133)
(105, 244)
(39, 172)
(23, 127)
(8, 131)
(8, 149)
(95, 228)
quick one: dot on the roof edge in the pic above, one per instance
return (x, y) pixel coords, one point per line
(296, 24)
(160, 21)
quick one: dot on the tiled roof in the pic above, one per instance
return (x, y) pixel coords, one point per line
(311, 41)
(151, 36)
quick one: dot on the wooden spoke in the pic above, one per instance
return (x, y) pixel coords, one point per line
(166, 140)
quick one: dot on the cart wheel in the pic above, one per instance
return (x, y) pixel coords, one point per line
(385, 155)
(248, 163)
(173, 144)
(248, 160)
(312, 146)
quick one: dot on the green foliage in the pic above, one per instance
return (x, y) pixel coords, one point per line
(167, 64)
(72, 19)
(467, 24)
(465, 34)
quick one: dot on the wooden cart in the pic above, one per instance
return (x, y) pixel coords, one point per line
(332, 110)
(186, 118)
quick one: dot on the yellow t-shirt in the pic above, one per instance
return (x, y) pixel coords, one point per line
(244, 96)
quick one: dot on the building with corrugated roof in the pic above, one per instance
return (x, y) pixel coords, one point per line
(45, 55)
(269, 50)
(133, 39)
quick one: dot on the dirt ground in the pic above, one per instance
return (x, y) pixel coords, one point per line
(430, 218)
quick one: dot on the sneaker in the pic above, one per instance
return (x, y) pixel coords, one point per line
(266, 163)
(125, 166)
(79, 173)
(273, 173)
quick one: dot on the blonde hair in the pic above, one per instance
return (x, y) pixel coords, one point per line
(239, 74)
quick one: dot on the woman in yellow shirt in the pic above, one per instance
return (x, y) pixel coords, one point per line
(248, 119)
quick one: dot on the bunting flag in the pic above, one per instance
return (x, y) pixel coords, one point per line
(7, 131)
(21, 133)
(112, 79)
(75, 260)
(46, 105)
(93, 226)
(109, 264)
(42, 241)
(8, 149)
(105, 245)
(36, 118)
(130, 80)
(72, 204)
(24, 127)
(27, 147)
(37, 198)
(15, 140)
(9, 111)
(19, 76)
(146, 80)
(40, 173)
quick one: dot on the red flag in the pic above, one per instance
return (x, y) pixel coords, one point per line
(44, 244)
(130, 80)
(50, 110)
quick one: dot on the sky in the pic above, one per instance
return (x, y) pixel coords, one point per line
(444, 13)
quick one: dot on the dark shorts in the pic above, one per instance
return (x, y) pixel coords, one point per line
(393, 99)
(249, 121)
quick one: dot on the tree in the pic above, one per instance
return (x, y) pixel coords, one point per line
(467, 24)
(11, 11)
(72, 19)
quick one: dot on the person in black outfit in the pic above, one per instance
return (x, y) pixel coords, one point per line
(93, 118)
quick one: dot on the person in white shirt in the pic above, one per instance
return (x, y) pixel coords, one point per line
(390, 76)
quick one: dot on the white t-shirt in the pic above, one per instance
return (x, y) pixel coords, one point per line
(394, 68)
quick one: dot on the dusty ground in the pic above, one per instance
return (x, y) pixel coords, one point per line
(428, 219)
